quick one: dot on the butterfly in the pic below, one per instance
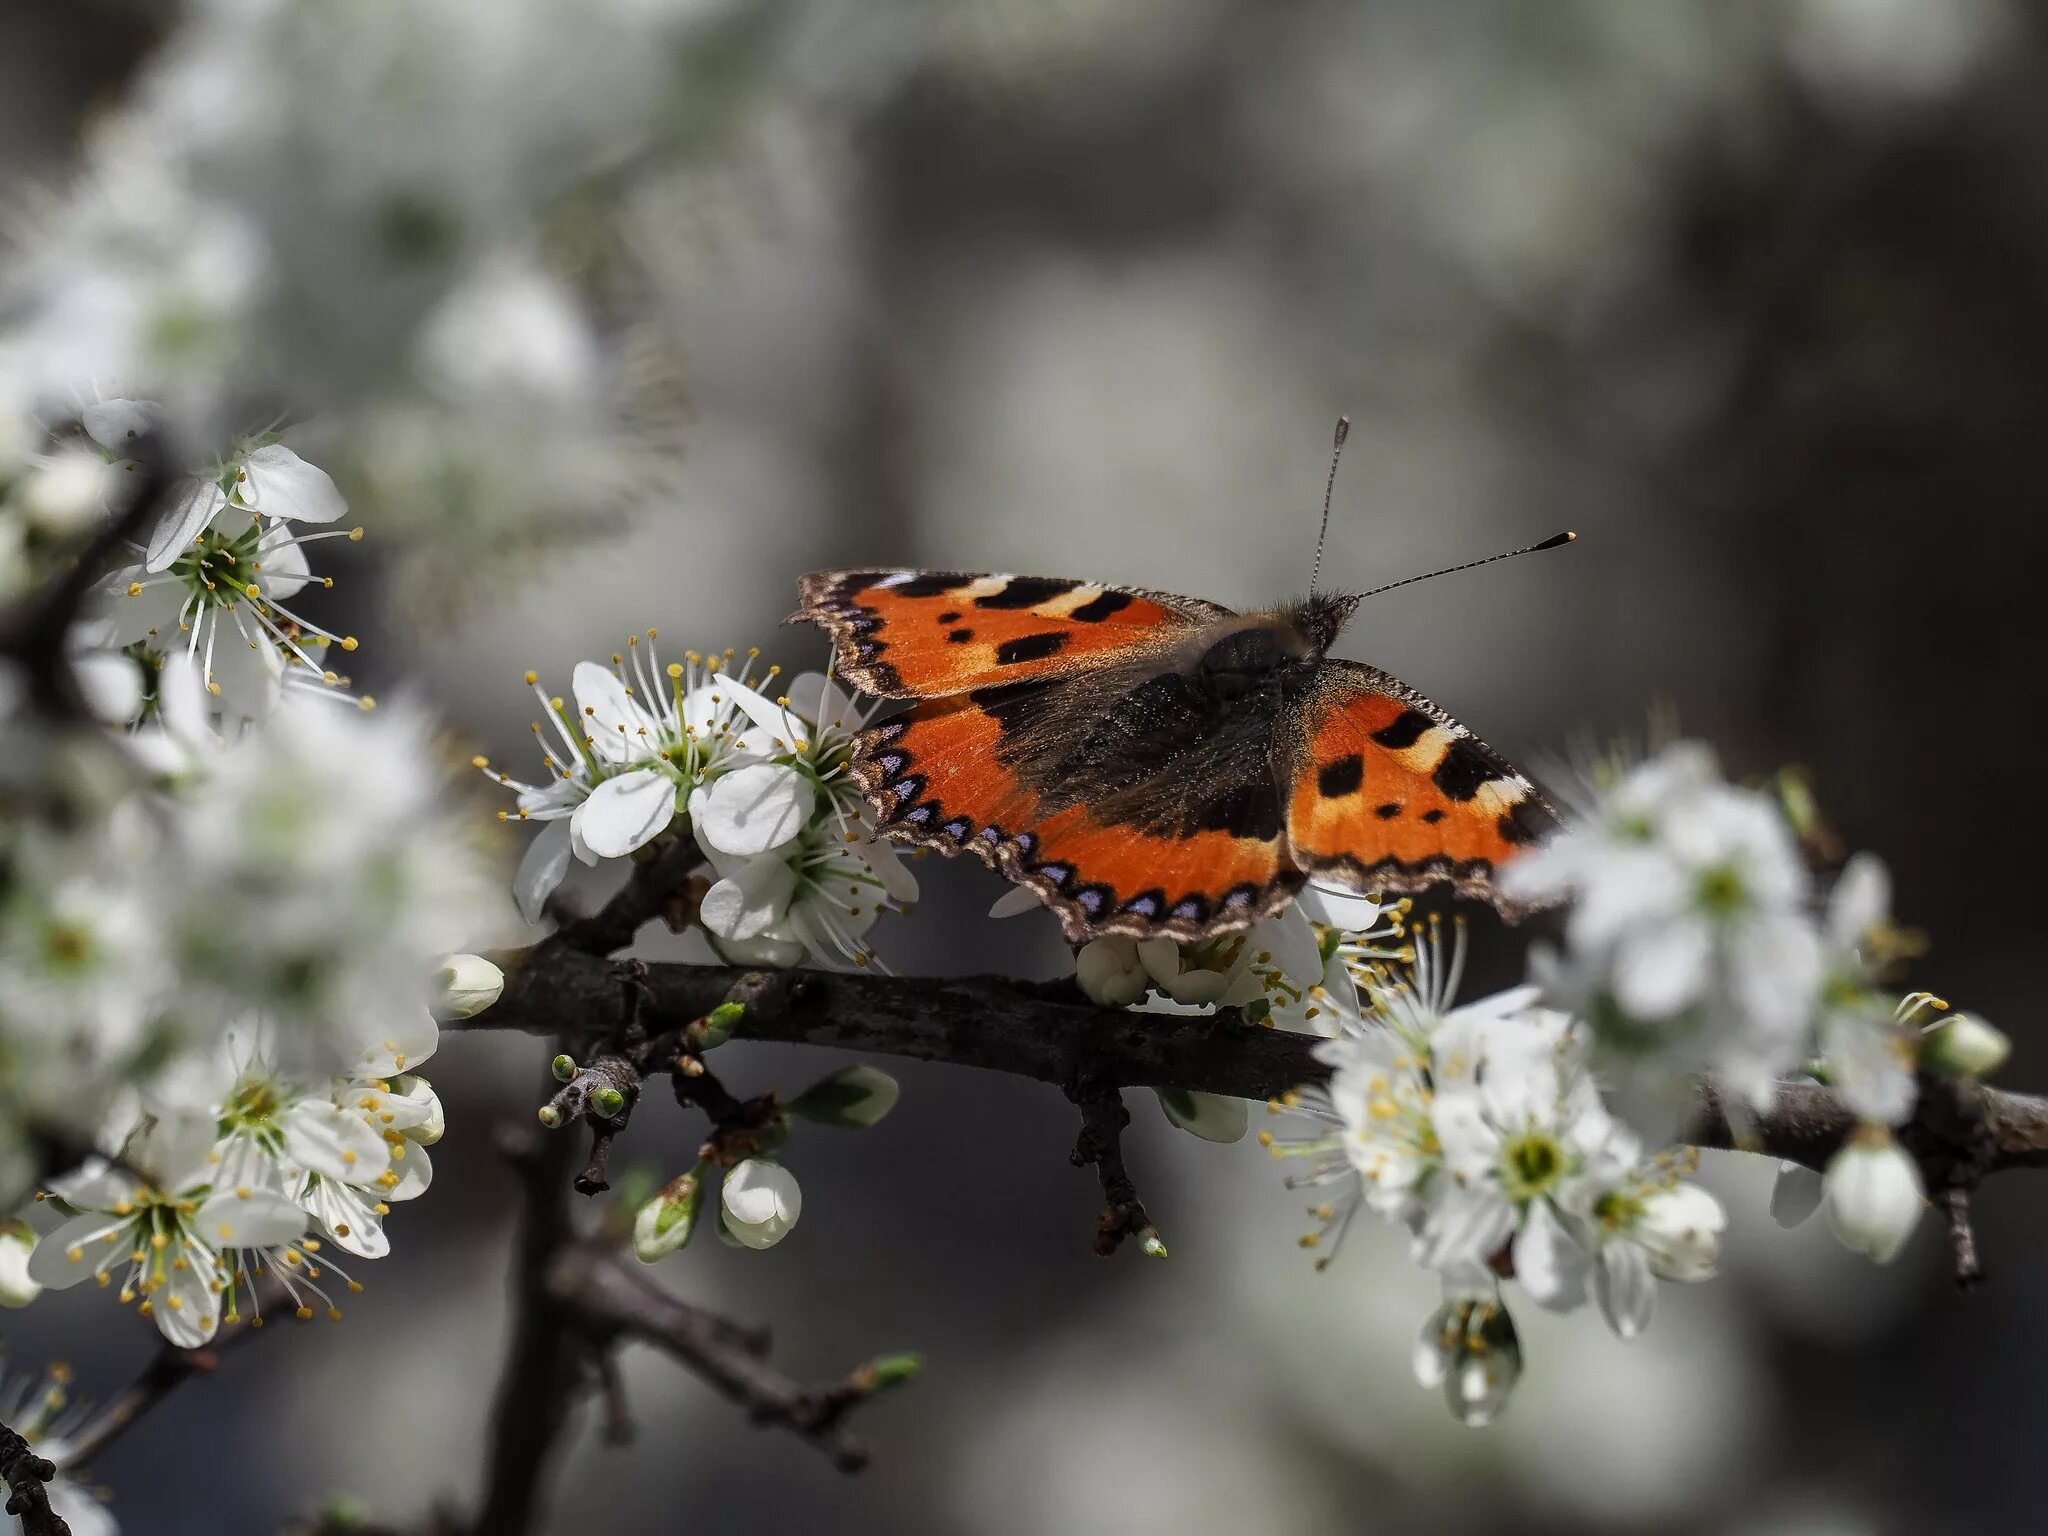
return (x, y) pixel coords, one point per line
(1156, 765)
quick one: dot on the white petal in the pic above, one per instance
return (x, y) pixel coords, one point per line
(348, 1217)
(541, 869)
(1016, 901)
(281, 484)
(266, 1218)
(333, 1142)
(1549, 1262)
(52, 1266)
(111, 685)
(1658, 972)
(285, 569)
(1107, 971)
(1337, 907)
(1796, 1195)
(1213, 1117)
(1465, 1224)
(395, 1044)
(752, 809)
(607, 714)
(1627, 1290)
(1291, 942)
(184, 1308)
(116, 424)
(625, 813)
(747, 904)
(174, 534)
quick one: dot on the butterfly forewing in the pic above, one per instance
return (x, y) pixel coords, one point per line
(918, 634)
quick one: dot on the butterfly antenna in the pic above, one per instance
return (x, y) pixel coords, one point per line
(1329, 489)
(1555, 541)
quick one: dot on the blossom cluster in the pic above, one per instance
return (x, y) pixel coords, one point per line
(228, 895)
(1480, 1131)
(1696, 941)
(651, 752)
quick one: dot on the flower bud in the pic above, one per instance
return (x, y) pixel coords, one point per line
(564, 1068)
(853, 1098)
(549, 1116)
(1109, 972)
(717, 1026)
(466, 986)
(1874, 1194)
(1470, 1349)
(893, 1370)
(606, 1102)
(17, 1242)
(1213, 1117)
(1963, 1045)
(759, 1202)
(665, 1223)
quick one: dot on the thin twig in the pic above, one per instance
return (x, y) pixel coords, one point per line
(170, 1368)
(609, 1302)
(25, 1473)
(1103, 1118)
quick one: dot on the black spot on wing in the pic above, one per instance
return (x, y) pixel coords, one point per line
(949, 617)
(1096, 609)
(1026, 592)
(1388, 811)
(1030, 648)
(1340, 776)
(959, 636)
(1403, 731)
(1433, 816)
(927, 584)
(1465, 766)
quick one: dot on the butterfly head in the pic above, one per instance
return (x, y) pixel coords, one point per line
(1322, 618)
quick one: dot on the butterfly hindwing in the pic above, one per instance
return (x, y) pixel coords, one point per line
(1389, 793)
(1193, 848)
(921, 634)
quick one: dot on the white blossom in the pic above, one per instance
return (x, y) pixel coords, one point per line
(166, 1231)
(1689, 944)
(17, 1243)
(1109, 972)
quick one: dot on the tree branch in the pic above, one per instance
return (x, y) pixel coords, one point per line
(1050, 1033)
(25, 1473)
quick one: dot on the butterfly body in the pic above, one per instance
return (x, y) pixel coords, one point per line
(1158, 765)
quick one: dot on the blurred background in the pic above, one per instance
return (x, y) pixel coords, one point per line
(1752, 295)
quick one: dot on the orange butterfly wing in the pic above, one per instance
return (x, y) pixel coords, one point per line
(936, 777)
(918, 634)
(1392, 794)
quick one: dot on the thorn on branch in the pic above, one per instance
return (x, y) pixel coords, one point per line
(1962, 1238)
(1103, 1118)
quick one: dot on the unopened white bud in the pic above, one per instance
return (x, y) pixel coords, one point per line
(1874, 1194)
(1108, 971)
(1963, 1045)
(466, 986)
(759, 1203)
